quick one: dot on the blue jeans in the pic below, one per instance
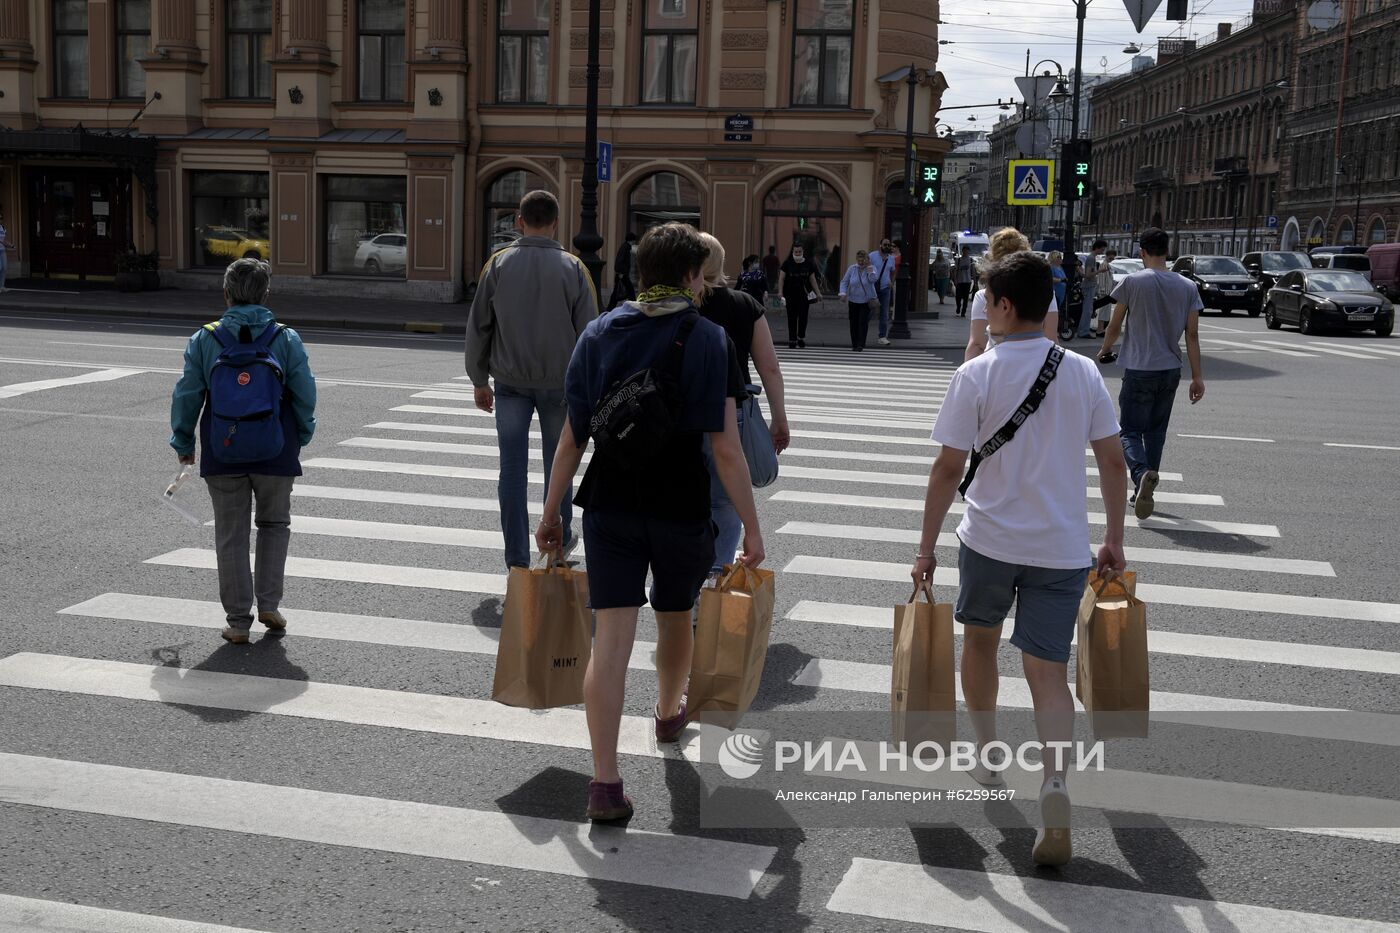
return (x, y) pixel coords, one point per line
(4, 266)
(514, 410)
(729, 529)
(1086, 313)
(885, 311)
(1145, 407)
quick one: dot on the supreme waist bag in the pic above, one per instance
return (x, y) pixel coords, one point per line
(640, 413)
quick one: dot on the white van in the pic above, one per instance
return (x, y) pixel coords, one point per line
(977, 241)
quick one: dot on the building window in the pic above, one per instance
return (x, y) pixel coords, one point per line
(365, 231)
(502, 203)
(670, 42)
(1377, 232)
(806, 210)
(70, 48)
(382, 62)
(522, 53)
(229, 217)
(821, 53)
(133, 42)
(248, 42)
(660, 199)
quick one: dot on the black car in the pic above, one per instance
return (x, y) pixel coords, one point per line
(1223, 283)
(1270, 266)
(1316, 299)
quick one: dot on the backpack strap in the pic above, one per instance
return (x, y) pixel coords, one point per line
(221, 334)
(1026, 409)
(675, 353)
(268, 335)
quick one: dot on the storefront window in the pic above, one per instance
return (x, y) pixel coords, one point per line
(502, 203)
(660, 199)
(365, 228)
(230, 219)
(806, 210)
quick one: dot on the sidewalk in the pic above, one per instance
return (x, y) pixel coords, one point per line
(827, 328)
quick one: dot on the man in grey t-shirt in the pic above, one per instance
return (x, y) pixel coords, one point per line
(1158, 306)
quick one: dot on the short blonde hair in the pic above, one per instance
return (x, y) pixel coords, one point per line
(1056, 257)
(1006, 241)
(713, 269)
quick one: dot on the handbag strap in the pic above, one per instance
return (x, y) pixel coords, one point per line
(1026, 409)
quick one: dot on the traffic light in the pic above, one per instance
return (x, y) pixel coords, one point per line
(929, 188)
(1076, 169)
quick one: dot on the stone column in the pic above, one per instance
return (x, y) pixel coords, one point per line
(14, 31)
(445, 28)
(301, 74)
(17, 107)
(174, 29)
(308, 33)
(174, 70)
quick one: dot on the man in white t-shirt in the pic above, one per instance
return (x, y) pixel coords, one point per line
(1025, 535)
(977, 333)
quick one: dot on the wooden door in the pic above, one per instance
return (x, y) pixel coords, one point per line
(80, 222)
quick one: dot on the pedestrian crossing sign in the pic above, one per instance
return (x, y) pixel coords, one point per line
(1030, 182)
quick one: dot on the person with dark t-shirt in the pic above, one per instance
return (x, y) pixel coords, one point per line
(797, 282)
(655, 515)
(752, 281)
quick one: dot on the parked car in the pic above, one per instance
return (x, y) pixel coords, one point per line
(1350, 260)
(1315, 299)
(1269, 266)
(1122, 268)
(386, 252)
(1223, 283)
(1385, 269)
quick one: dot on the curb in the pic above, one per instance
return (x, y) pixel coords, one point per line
(418, 327)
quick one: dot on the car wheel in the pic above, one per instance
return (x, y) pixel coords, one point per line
(1271, 320)
(1253, 312)
(1305, 322)
(372, 266)
(1385, 329)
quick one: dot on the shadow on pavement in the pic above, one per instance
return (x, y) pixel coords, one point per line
(266, 658)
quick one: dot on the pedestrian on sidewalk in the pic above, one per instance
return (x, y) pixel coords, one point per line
(1024, 537)
(1104, 285)
(657, 514)
(772, 265)
(743, 320)
(1158, 306)
(1057, 269)
(885, 263)
(1090, 286)
(752, 281)
(1004, 242)
(860, 289)
(942, 269)
(5, 248)
(964, 269)
(533, 302)
(624, 282)
(797, 281)
(260, 487)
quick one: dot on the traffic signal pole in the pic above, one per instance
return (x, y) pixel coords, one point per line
(1080, 9)
(904, 282)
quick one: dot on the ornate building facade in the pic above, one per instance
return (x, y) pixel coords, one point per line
(378, 147)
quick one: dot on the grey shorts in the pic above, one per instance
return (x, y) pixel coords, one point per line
(1047, 601)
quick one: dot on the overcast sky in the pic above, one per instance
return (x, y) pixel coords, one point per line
(988, 42)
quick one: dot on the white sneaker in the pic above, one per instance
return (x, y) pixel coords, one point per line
(883, 341)
(1052, 842)
(986, 776)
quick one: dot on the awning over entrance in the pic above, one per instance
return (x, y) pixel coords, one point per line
(130, 151)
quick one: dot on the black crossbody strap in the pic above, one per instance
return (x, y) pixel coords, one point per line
(1027, 408)
(674, 356)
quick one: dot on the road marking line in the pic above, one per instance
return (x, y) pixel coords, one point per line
(1327, 657)
(1237, 343)
(1230, 330)
(1314, 347)
(919, 427)
(394, 531)
(116, 346)
(1145, 555)
(101, 375)
(1246, 601)
(27, 915)
(485, 837)
(388, 497)
(924, 404)
(1157, 522)
(1228, 437)
(411, 469)
(1169, 796)
(989, 902)
(458, 581)
(1362, 446)
(1374, 349)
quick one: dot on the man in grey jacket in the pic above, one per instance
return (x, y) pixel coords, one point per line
(532, 301)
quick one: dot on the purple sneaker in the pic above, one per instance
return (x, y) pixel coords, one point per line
(669, 730)
(607, 802)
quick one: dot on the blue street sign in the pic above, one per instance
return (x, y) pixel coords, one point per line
(1030, 181)
(604, 161)
(1272, 222)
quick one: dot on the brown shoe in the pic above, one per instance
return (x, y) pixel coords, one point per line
(235, 636)
(1144, 505)
(274, 621)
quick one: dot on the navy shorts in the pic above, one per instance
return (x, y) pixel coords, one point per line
(621, 548)
(1047, 601)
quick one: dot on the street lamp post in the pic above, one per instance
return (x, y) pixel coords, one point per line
(904, 284)
(588, 241)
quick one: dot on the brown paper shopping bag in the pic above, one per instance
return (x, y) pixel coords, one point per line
(1111, 674)
(922, 697)
(731, 642)
(546, 637)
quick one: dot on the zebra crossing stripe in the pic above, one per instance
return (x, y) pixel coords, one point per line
(793, 416)
(411, 469)
(1155, 523)
(1315, 347)
(28, 915)
(457, 581)
(1254, 346)
(1326, 657)
(639, 857)
(1235, 600)
(989, 902)
(391, 497)
(17, 389)
(1144, 555)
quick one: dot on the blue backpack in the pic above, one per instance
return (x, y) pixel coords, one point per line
(245, 398)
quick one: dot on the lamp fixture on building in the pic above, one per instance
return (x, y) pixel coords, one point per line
(1059, 92)
(1132, 48)
(435, 53)
(295, 95)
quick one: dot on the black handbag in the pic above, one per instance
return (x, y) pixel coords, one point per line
(639, 414)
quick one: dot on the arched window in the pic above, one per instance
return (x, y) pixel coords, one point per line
(502, 202)
(1315, 232)
(803, 209)
(1346, 233)
(1376, 233)
(661, 198)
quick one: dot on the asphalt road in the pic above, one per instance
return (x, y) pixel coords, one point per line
(147, 767)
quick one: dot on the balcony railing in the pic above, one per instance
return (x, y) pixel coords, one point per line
(1152, 176)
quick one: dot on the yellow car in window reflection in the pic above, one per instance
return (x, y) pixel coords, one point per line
(231, 243)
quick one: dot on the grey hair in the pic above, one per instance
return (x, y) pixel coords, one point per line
(246, 281)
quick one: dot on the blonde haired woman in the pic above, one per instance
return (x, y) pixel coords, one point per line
(742, 319)
(1004, 242)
